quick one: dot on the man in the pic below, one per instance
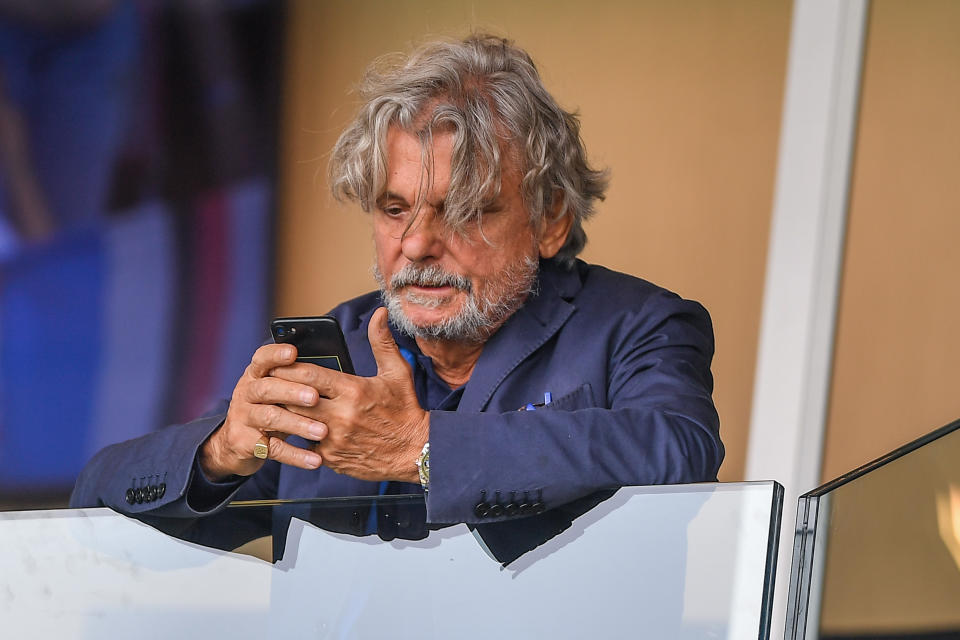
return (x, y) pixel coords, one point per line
(477, 185)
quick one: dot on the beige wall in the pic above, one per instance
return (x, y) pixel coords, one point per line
(898, 336)
(680, 99)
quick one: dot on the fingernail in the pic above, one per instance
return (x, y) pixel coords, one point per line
(312, 460)
(317, 429)
(307, 397)
(286, 353)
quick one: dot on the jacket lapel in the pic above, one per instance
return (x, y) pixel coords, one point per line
(524, 332)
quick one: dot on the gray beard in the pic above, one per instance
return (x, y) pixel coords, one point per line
(477, 319)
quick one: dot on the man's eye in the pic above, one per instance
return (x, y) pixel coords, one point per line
(392, 212)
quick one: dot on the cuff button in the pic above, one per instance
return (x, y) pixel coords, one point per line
(482, 509)
(131, 496)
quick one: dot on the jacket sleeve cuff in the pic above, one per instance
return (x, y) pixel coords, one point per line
(205, 495)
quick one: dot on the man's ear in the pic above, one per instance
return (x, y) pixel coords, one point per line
(554, 228)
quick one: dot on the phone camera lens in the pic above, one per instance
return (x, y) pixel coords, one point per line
(280, 331)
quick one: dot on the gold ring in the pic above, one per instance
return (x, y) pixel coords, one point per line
(261, 449)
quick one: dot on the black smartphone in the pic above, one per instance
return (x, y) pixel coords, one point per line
(318, 340)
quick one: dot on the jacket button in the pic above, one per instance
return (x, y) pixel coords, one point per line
(131, 496)
(161, 490)
(139, 494)
(356, 521)
(482, 509)
(511, 509)
(152, 493)
(526, 508)
(538, 508)
(496, 510)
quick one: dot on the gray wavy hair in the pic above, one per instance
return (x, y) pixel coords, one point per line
(484, 90)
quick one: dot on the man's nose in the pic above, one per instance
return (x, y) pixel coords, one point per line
(424, 239)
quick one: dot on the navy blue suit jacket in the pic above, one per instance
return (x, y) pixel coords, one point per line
(626, 362)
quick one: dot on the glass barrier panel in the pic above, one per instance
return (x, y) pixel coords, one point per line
(682, 561)
(877, 551)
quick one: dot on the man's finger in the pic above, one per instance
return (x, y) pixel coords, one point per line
(271, 418)
(285, 453)
(324, 380)
(270, 356)
(385, 351)
(270, 390)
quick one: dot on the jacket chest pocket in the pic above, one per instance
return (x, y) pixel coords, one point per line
(579, 398)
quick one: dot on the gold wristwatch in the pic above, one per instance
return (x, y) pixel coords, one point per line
(423, 467)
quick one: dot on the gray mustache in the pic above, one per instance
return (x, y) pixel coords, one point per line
(432, 276)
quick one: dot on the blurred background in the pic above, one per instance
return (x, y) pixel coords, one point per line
(162, 194)
(137, 187)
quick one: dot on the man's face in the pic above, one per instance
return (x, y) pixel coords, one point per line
(439, 283)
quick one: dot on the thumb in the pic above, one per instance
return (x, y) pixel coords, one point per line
(385, 351)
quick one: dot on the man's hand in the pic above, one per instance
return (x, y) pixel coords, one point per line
(376, 427)
(255, 412)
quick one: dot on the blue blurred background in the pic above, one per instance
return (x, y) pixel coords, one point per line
(137, 173)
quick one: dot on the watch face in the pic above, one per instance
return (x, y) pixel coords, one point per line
(423, 466)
